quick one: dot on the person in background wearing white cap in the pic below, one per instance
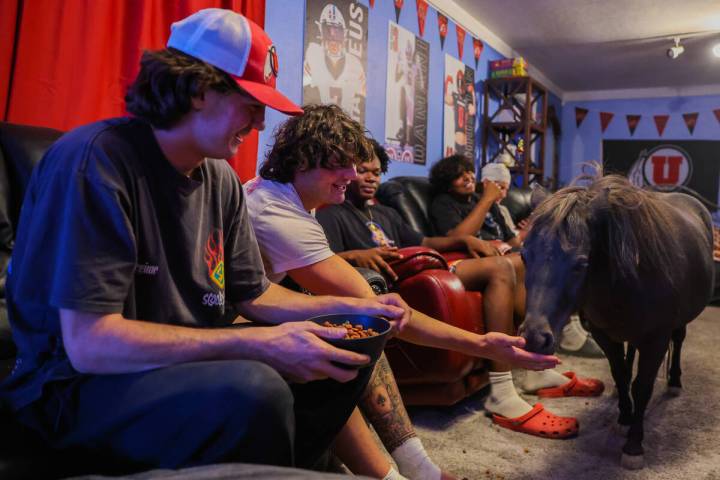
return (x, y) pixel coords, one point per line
(457, 209)
(134, 246)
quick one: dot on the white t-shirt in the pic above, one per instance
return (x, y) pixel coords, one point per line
(288, 235)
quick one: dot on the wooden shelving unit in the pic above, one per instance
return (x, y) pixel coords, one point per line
(519, 110)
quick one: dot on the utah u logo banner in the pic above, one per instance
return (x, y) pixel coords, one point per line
(667, 167)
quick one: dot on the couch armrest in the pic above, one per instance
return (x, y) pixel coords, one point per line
(376, 280)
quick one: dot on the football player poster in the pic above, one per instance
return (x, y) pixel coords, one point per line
(460, 108)
(336, 39)
(406, 102)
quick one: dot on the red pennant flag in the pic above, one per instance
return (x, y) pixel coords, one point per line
(422, 7)
(660, 122)
(580, 114)
(605, 119)
(717, 114)
(398, 7)
(632, 121)
(372, 3)
(442, 26)
(477, 51)
(690, 121)
(460, 39)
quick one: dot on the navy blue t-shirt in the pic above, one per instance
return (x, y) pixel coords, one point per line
(446, 212)
(348, 228)
(109, 226)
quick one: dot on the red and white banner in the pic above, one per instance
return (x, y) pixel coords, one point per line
(442, 28)
(477, 50)
(422, 8)
(460, 40)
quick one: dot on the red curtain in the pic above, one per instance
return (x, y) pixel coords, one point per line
(67, 63)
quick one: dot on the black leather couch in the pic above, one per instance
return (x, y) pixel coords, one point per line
(411, 197)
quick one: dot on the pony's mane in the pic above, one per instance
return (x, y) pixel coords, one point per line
(628, 226)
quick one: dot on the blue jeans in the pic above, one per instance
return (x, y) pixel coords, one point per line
(196, 413)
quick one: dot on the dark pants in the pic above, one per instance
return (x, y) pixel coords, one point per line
(196, 413)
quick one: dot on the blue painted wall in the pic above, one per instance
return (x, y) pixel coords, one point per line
(584, 144)
(285, 21)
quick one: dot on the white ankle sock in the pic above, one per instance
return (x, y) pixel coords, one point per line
(413, 461)
(504, 399)
(543, 379)
(573, 334)
(393, 475)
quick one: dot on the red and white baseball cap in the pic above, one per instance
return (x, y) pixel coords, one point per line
(237, 46)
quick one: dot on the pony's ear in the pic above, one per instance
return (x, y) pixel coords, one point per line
(601, 200)
(538, 195)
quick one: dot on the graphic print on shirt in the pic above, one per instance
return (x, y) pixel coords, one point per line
(215, 258)
(378, 235)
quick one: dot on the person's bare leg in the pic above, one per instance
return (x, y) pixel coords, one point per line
(384, 408)
(520, 294)
(495, 277)
(356, 447)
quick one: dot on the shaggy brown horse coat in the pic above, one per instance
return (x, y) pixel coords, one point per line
(637, 264)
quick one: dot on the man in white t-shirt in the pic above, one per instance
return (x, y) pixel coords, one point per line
(311, 164)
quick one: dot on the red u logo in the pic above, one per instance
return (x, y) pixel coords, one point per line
(666, 169)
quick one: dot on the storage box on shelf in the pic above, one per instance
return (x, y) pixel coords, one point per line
(515, 111)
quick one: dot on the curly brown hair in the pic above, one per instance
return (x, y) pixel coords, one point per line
(168, 81)
(446, 170)
(322, 137)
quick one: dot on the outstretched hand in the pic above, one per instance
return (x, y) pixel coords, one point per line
(507, 349)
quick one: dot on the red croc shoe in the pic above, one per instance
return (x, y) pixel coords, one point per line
(576, 387)
(541, 423)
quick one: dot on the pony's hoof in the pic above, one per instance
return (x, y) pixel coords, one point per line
(674, 391)
(632, 462)
(620, 429)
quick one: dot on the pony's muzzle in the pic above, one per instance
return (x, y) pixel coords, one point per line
(538, 339)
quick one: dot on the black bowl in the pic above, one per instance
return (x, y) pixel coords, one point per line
(370, 346)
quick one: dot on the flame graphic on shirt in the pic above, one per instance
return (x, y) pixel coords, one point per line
(215, 258)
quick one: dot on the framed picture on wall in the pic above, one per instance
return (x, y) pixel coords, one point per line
(460, 109)
(335, 61)
(406, 108)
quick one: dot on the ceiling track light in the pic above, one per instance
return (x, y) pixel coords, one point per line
(677, 50)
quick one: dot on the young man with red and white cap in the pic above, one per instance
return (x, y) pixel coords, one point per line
(134, 246)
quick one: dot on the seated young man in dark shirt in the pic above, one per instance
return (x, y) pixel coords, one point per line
(369, 235)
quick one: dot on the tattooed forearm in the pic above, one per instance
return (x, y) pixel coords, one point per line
(384, 408)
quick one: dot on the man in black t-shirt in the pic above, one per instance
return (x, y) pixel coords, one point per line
(133, 245)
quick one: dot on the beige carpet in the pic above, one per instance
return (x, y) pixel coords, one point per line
(682, 434)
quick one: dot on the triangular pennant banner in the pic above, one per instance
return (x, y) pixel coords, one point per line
(422, 7)
(580, 114)
(442, 26)
(660, 122)
(690, 121)
(605, 119)
(477, 50)
(398, 8)
(717, 114)
(460, 39)
(372, 3)
(632, 121)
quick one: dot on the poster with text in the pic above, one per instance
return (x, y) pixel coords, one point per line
(460, 109)
(335, 62)
(406, 106)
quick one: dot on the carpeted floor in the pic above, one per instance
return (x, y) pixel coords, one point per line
(682, 434)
